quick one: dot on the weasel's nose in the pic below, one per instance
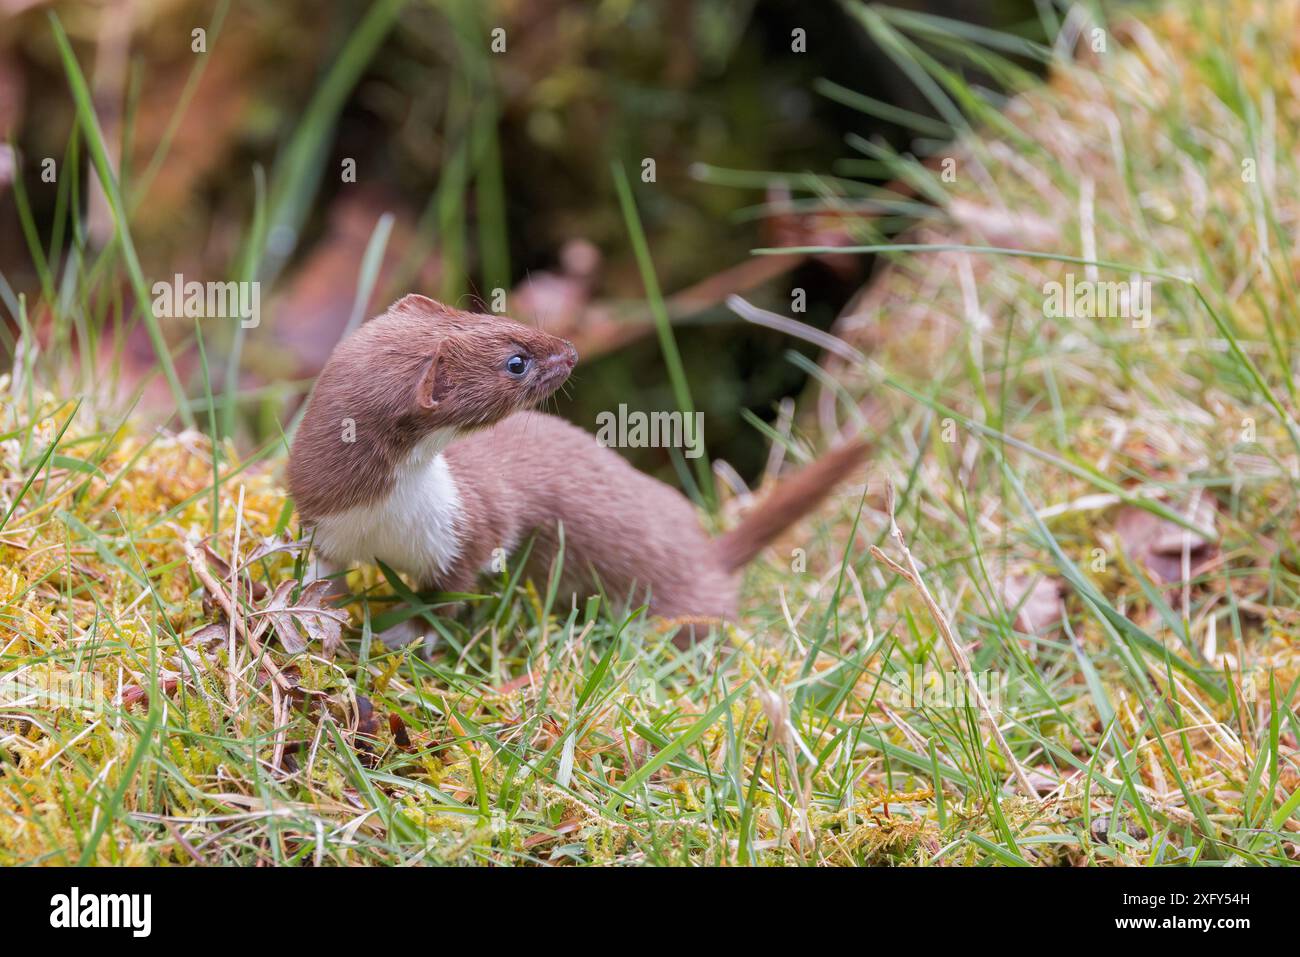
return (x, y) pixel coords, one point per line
(568, 357)
(559, 363)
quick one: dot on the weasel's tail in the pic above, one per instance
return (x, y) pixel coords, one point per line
(790, 501)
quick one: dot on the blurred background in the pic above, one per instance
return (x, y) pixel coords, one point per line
(344, 153)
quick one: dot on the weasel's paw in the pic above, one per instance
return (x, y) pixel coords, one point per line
(408, 633)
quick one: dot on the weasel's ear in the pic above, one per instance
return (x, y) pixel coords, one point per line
(416, 305)
(433, 384)
(424, 309)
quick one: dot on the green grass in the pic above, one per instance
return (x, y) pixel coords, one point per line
(1156, 723)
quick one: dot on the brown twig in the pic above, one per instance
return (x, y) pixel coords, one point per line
(232, 666)
(280, 685)
(223, 599)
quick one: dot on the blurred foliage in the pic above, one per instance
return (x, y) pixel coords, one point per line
(490, 161)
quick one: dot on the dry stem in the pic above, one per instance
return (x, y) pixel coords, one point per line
(913, 574)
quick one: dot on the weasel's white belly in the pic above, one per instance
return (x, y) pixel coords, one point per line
(414, 529)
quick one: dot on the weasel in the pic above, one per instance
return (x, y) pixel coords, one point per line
(417, 448)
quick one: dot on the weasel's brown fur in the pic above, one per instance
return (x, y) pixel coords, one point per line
(792, 499)
(424, 373)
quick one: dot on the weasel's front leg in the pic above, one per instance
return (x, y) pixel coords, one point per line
(416, 628)
(404, 633)
(320, 568)
(412, 631)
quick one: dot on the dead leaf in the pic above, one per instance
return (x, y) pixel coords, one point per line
(222, 568)
(1101, 829)
(213, 634)
(567, 826)
(282, 622)
(1037, 601)
(367, 722)
(1044, 779)
(134, 693)
(1158, 544)
(398, 729)
(323, 624)
(320, 622)
(270, 546)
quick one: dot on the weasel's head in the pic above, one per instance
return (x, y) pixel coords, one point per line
(481, 368)
(418, 369)
(458, 370)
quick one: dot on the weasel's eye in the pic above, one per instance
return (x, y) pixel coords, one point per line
(517, 365)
